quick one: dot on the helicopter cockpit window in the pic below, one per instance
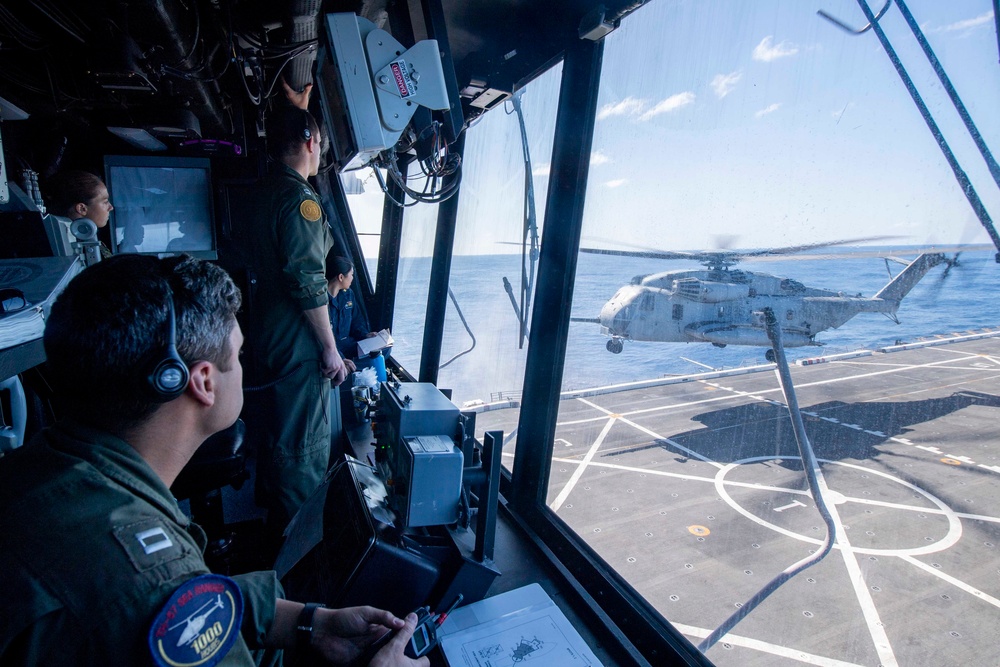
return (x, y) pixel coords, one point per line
(648, 303)
(677, 312)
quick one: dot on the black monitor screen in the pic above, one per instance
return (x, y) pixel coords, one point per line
(162, 205)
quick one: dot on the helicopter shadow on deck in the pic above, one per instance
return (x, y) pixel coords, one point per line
(764, 429)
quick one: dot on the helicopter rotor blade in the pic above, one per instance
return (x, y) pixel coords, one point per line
(651, 254)
(788, 250)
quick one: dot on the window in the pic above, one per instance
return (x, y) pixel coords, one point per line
(483, 353)
(726, 126)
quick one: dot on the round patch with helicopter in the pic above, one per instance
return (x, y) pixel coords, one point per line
(199, 623)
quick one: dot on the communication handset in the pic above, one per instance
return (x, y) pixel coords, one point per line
(424, 637)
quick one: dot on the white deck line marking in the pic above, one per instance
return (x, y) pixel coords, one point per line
(953, 581)
(779, 489)
(757, 394)
(690, 452)
(578, 473)
(765, 647)
(767, 487)
(661, 473)
(876, 629)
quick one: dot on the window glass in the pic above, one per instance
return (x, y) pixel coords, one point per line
(416, 249)
(493, 270)
(739, 132)
(365, 199)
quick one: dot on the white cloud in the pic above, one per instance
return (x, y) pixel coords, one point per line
(597, 157)
(618, 182)
(542, 169)
(723, 84)
(771, 109)
(630, 106)
(672, 103)
(766, 51)
(982, 19)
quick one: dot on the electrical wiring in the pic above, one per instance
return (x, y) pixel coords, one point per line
(277, 75)
(20, 33)
(432, 193)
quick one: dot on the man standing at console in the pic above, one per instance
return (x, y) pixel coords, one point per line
(288, 329)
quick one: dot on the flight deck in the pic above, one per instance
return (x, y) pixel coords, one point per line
(692, 489)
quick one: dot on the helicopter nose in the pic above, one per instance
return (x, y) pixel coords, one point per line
(614, 316)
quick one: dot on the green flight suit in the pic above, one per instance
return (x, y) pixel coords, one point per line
(289, 239)
(77, 586)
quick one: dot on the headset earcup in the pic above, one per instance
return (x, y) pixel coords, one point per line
(168, 375)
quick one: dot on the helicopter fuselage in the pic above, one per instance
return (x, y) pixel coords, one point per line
(724, 306)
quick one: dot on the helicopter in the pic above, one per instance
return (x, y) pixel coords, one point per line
(723, 305)
(196, 621)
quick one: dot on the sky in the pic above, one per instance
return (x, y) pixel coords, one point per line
(747, 124)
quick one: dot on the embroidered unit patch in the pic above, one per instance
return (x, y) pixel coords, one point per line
(310, 210)
(199, 623)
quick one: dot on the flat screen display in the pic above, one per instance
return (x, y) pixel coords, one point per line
(162, 205)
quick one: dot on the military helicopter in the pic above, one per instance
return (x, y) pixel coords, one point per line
(724, 306)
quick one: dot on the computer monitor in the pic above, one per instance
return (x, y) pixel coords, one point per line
(163, 205)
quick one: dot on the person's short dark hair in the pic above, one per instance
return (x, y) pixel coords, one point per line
(336, 266)
(69, 188)
(104, 325)
(287, 129)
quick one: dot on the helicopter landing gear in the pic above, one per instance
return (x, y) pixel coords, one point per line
(615, 346)
(769, 355)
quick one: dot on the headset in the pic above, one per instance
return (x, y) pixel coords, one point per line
(305, 117)
(166, 373)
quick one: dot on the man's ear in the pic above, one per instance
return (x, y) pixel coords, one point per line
(201, 386)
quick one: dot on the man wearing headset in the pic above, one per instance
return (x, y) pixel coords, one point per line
(288, 330)
(99, 565)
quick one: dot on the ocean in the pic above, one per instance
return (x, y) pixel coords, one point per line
(963, 301)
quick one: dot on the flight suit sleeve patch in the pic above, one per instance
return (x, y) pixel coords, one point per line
(199, 623)
(149, 543)
(310, 210)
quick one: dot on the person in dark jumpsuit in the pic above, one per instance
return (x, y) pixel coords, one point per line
(98, 560)
(294, 353)
(348, 323)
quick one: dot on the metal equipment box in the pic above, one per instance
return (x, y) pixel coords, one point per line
(428, 481)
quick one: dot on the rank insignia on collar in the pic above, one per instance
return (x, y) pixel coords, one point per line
(198, 624)
(310, 210)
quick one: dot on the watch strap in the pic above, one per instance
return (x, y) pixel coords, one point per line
(304, 626)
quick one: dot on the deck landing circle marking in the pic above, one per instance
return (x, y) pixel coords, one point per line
(699, 530)
(950, 538)
(951, 462)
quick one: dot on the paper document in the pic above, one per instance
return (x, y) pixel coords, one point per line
(521, 627)
(381, 340)
(40, 279)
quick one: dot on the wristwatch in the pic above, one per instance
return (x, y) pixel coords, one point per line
(304, 626)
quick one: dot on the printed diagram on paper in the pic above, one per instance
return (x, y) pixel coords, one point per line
(534, 639)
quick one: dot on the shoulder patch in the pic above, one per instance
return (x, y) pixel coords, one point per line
(310, 210)
(149, 543)
(199, 623)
